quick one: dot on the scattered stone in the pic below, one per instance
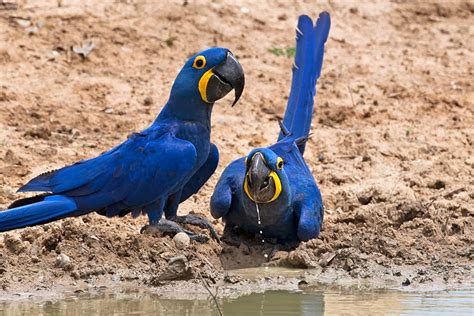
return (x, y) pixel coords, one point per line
(406, 282)
(85, 49)
(409, 211)
(369, 195)
(326, 259)
(148, 101)
(302, 283)
(8, 5)
(438, 184)
(354, 10)
(14, 244)
(11, 158)
(178, 258)
(348, 264)
(178, 269)
(469, 162)
(170, 41)
(232, 278)
(3, 264)
(181, 240)
(39, 132)
(302, 259)
(280, 256)
(32, 30)
(24, 23)
(321, 157)
(94, 237)
(366, 158)
(108, 110)
(63, 261)
(52, 55)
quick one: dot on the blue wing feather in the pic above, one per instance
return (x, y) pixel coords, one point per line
(221, 199)
(202, 175)
(129, 175)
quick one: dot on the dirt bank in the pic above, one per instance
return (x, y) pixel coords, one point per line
(391, 147)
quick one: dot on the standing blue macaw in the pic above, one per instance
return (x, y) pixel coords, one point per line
(272, 192)
(152, 171)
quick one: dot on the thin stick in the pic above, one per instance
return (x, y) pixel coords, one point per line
(214, 296)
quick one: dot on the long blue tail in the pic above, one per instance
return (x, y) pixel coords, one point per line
(306, 70)
(51, 208)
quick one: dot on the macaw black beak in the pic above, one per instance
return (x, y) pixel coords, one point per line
(260, 182)
(217, 82)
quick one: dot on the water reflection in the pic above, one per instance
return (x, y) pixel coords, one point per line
(268, 303)
(275, 303)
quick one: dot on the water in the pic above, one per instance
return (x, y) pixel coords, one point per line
(458, 302)
(259, 222)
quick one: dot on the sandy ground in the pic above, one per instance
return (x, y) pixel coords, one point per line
(392, 146)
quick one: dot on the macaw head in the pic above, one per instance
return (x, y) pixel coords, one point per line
(207, 77)
(265, 177)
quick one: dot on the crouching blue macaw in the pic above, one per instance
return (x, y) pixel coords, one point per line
(153, 170)
(271, 192)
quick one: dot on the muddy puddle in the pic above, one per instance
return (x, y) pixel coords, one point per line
(308, 302)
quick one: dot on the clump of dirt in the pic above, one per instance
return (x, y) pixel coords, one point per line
(391, 146)
(91, 250)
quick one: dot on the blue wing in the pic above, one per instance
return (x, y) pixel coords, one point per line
(202, 175)
(311, 215)
(221, 199)
(149, 165)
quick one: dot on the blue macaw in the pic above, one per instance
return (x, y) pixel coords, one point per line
(153, 170)
(272, 192)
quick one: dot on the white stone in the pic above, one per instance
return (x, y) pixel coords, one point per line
(181, 240)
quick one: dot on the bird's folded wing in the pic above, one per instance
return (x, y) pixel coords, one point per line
(135, 172)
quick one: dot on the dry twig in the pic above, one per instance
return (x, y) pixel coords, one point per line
(213, 295)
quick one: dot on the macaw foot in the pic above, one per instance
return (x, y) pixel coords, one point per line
(196, 221)
(168, 227)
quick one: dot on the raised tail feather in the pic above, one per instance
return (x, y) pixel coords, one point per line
(306, 70)
(44, 209)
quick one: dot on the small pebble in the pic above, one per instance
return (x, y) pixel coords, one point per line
(181, 240)
(62, 260)
(24, 23)
(148, 101)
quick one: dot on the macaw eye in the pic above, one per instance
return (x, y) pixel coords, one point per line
(279, 163)
(199, 62)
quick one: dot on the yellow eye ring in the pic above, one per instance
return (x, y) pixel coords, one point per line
(279, 163)
(199, 62)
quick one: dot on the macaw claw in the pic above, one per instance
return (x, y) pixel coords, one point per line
(168, 227)
(196, 221)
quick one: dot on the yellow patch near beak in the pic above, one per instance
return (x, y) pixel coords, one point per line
(276, 180)
(203, 84)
